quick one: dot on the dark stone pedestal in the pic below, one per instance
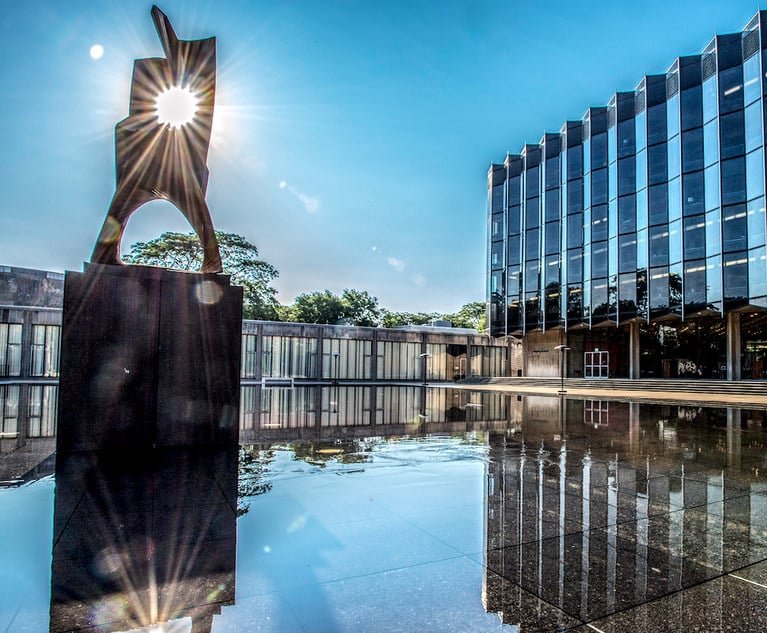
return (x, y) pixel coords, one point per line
(149, 358)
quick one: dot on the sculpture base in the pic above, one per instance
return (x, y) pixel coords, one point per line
(149, 358)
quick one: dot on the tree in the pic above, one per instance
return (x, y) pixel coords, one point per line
(317, 307)
(471, 315)
(395, 319)
(183, 251)
(361, 308)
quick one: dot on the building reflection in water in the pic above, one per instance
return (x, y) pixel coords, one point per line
(143, 539)
(311, 412)
(604, 507)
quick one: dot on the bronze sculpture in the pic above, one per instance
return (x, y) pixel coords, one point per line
(158, 160)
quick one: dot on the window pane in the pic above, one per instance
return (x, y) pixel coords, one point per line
(672, 110)
(599, 186)
(733, 180)
(757, 272)
(532, 244)
(627, 253)
(641, 130)
(755, 174)
(753, 126)
(574, 230)
(658, 204)
(574, 266)
(713, 279)
(709, 99)
(711, 179)
(734, 228)
(694, 237)
(532, 180)
(551, 274)
(657, 164)
(692, 190)
(735, 274)
(598, 151)
(641, 166)
(599, 260)
(642, 209)
(756, 222)
(627, 214)
(574, 162)
(552, 205)
(674, 199)
(532, 213)
(751, 79)
(674, 157)
(626, 176)
(732, 134)
(658, 288)
(575, 196)
(642, 249)
(552, 238)
(626, 131)
(552, 172)
(656, 124)
(731, 89)
(695, 283)
(514, 219)
(675, 242)
(713, 232)
(692, 108)
(515, 190)
(711, 142)
(515, 249)
(692, 150)
(658, 245)
(599, 223)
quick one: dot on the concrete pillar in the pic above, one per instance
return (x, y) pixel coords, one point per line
(733, 346)
(634, 350)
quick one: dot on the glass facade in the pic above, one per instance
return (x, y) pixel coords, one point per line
(652, 207)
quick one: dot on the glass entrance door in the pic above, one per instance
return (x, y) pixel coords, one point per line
(596, 364)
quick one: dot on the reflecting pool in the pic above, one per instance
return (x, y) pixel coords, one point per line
(368, 508)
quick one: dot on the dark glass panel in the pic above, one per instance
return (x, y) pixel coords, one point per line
(675, 242)
(496, 226)
(599, 260)
(756, 222)
(497, 199)
(627, 253)
(551, 271)
(496, 255)
(709, 99)
(675, 287)
(551, 239)
(659, 245)
(734, 228)
(515, 190)
(514, 219)
(714, 280)
(496, 282)
(599, 304)
(757, 272)
(514, 315)
(642, 308)
(552, 173)
(513, 281)
(515, 249)
(552, 210)
(732, 132)
(733, 180)
(753, 126)
(532, 213)
(694, 237)
(598, 151)
(574, 230)
(575, 196)
(656, 124)
(532, 244)
(692, 108)
(599, 190)
(574, 162)
(599, 223)
(574, 303)
(627, 214)
(532, 275)
(532, 310)
(735, 276)
(711, 142)
(658, 289)
(626, 138)
(575, 266)
(626, 176)
(532, 182)
(627, 293)
(695, 284)
(731, 89)
(658, 204)
(657, 164)
(692, 150)
(692, 194)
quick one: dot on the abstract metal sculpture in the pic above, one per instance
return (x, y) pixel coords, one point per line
(161, 160)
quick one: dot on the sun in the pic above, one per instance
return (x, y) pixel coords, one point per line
(176, 106)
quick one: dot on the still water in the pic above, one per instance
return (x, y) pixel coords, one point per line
(403, 509)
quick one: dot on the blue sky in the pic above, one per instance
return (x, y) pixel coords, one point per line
(352, 139)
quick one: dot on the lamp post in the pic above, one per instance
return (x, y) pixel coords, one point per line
(563, 349)
(425, 357)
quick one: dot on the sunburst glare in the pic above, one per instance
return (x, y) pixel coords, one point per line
(176, 106)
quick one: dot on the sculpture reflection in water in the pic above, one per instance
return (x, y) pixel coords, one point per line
(143, 539)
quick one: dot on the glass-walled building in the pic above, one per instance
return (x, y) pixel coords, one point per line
(639, 230)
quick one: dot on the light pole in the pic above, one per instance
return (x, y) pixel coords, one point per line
(425, 357)
(563, 349)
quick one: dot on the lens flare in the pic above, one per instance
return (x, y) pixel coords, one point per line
(176, 106)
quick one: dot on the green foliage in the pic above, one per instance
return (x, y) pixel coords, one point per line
(396, 319)
(353, 307)
(471, 315)
(183, 251)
